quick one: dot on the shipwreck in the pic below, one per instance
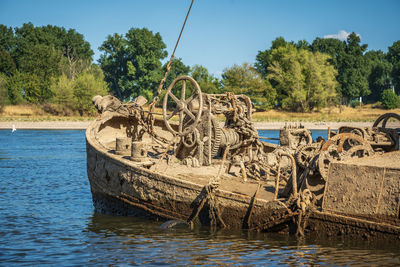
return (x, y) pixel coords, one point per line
(201, 161)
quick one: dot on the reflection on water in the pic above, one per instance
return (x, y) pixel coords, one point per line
(136, 237)
(46, 217)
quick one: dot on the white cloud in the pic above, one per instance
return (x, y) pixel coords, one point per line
(341, 35)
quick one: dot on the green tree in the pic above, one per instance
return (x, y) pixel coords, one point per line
(7, 64)
(333, 47)
(390, 100)
(132, 63)
(62, 89)
(88, 84)
(26, 38)
(393, 57)
(16, 85)
(7, 38)
(303, 44)
(263, 58)
(379, 74)
(69, 43)
(77, 94)
(354, 77)
(40, 64)
(304, 80)
(7, 44)
(113, 62)
(3, 92)
(207, 82)
(246, 80)
(41, 54)
(77, 54)
(348, 58)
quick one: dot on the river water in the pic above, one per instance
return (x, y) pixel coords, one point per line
(47, 218)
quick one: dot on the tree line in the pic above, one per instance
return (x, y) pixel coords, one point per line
(53, 67)
(48, 66)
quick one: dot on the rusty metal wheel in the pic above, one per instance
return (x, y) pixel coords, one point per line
(359, 151)
(337, 148)
(190, 139)
(182, 107)
(384, 119)
(306, 153)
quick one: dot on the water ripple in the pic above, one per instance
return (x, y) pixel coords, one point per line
(46, 218)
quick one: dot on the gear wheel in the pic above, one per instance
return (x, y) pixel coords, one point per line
(359, 151)
(339, 148)
(306, 153)
(216, 133)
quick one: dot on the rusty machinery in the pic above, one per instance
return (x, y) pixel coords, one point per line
(200, 137)
(348, 142)
(203, 138)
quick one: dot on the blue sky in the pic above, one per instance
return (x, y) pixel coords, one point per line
(219, 33)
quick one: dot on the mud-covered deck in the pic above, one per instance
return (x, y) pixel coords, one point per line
(171, 166)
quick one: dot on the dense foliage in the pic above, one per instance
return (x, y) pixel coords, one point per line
(132, 63)
(3, 92)
(207, 82)
(53, 67)
(246, 80)
(359, 73)
(390, 100)
(303, 80)
(35, 60)
(393, 57)
(348, 58)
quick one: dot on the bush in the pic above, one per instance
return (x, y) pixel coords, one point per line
(86, 86)
(76, 95)
(354, 103)
(389, 99)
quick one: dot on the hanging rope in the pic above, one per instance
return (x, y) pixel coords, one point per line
(157, 96)
(304, 203)
(208, 195)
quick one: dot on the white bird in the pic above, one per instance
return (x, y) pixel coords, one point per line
(13, 128)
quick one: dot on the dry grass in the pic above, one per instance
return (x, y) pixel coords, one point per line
(34, 113)
(22, 110)
(338, 114)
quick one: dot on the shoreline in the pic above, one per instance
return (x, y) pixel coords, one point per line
(82, 125)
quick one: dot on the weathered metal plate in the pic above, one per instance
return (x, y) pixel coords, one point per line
(359, 187)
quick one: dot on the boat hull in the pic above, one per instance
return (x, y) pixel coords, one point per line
(119, 187)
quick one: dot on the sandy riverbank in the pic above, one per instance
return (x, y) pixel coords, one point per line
(51, 125)
(73, 125)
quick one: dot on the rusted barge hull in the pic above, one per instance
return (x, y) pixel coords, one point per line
(123, 187)
(329, 224)
(120, 186)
